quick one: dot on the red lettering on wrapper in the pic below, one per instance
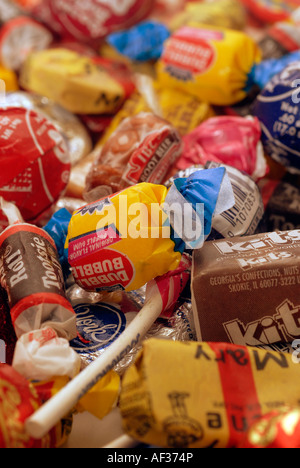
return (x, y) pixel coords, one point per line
(110, 271)
(190, 52)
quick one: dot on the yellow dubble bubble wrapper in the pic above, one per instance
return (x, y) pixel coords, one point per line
(211, 63)
(123, 241)
(203, 395)
(72, 80)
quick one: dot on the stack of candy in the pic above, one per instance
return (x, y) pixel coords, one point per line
(150, 220)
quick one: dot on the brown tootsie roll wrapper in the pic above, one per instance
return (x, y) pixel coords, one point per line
(246, 290)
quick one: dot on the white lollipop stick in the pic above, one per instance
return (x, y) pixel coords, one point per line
(42, 421)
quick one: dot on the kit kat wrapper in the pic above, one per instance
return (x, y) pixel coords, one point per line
(246, 290)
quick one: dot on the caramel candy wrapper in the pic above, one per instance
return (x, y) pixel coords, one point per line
(217, 392)
(246, 290)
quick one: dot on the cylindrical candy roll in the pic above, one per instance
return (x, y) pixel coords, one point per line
(32, 276)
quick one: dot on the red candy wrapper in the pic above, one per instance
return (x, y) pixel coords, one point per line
(278, 429)
(142, 149)
(18, 401)
(234, 141)
(35, 162)
(89, 20)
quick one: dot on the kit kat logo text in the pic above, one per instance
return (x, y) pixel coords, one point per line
(284, 326)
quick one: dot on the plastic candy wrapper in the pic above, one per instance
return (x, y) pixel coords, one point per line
(18, 400)
(35, 162)
(142, 149)
(77, 137)
(280, 39)
(243, 270)
(234, 141)
(219, 66)
(89, 21)
(84, 85)
(217, 392)
(43, 319)
(277, 429)
(127, 239)
(225, 13)
(277, 108)
(143, 42)
(210, 63)
(244, 218)
(19, 37)
(181, 110)
(271, 11)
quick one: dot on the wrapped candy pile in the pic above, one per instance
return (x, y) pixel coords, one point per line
(150, 221)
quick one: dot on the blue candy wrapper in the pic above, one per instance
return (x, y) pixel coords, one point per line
(278, 109)
(263, 72)
(199, 198)
(141, 43)
(57, 228)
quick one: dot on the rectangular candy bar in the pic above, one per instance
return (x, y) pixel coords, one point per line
(246, 290)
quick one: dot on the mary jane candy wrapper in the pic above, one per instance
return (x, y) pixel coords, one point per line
(210, 63)
(257, 279)
(35, 163)
(215, 394)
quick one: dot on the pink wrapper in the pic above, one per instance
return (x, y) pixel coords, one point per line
(234, 141)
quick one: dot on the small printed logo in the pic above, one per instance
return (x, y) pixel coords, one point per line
(98, 326)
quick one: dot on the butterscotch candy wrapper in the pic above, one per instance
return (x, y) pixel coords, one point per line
(203, 395)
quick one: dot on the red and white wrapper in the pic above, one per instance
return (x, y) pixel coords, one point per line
(35, 162)
(170, 286)
(91, 20)
(18, 38)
